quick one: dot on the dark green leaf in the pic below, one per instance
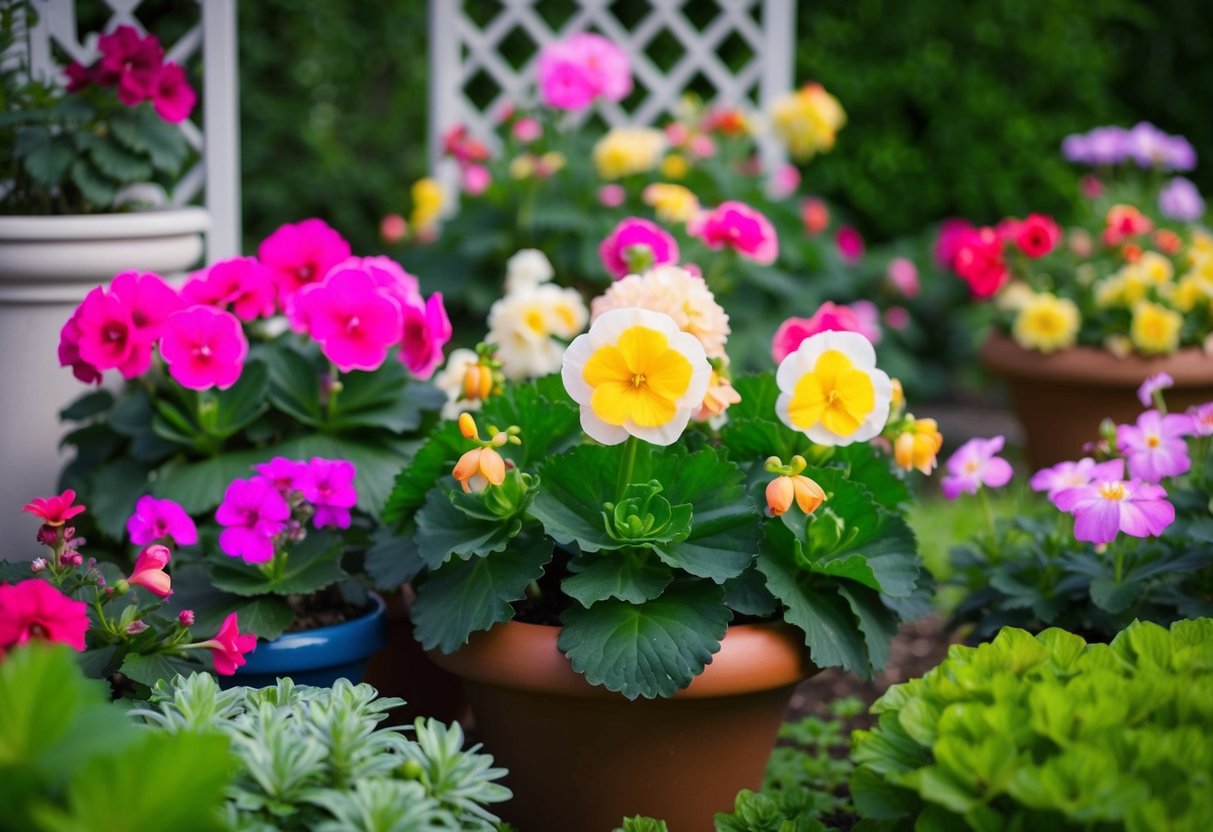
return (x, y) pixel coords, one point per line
(311, 565)
(132, 412)
(294, 384)
(266, 616)
(87, 406)
(435, 459)
(117, 162)
(150, 669)
(1115, 597)
(633, 575)
(550, 421)
(115, 487)
(44, 157)
(576, 484)
(243, 402)
(393, 558)
(94, 185)
(753, 432)
(384, 399)
(377, 461)
(747, 594)
(877, 623)
(443, 530)
(199, 486)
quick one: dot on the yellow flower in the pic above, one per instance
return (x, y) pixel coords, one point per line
(1155, 269)
(672, 203)
(1189, 291)
(1047, 323)
(635, 373)
(427, 203)
(808, 120)
(831, 390)
(627, 150)
(551, 162)
(918, 445)
(1155, 328)
(675, 166)
(525, 323)
(522, 167)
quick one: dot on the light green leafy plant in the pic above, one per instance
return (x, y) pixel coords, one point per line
(1048, 732)
(316, 758)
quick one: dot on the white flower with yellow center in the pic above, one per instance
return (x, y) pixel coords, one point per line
(525, 325)
(831, 390)
(527, 269)
(635, 373)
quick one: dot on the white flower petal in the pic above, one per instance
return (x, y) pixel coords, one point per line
(573, 367)
(666, 434)
(599, 430)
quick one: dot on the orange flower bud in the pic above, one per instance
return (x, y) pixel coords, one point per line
(479, 468)
(918, 446)
(477, 382)
(467, 426)
(809, 495)
(782, 490)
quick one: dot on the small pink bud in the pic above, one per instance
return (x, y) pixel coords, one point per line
(48, 535)
(70, 558)
(392, 228)
(109, 592)
(38, 564)
(135, 628)
(527, 130)
(612, 196)
(186, 618)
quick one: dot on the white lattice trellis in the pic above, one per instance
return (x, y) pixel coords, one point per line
(216, 176)
(461, 50)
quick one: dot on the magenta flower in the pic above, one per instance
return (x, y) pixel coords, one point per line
(253, 513)
(849, 243)
(903, 275)
(1202, 419)
(575, 71)
(155, 520)
(149, 573)
(33, 609)
(229, 646)
(241, 285)
(354, 323)
(69, 352)
(1065, 475)
(975, 465)
(150, 301)
(829, 317)
(284, 474)
(204, 347)
(54, 511)
(954, 232)
(388, 275)
(636, 245)
(131, 62)
(426, 330)
(737, 226)
(1155, 446)
(172, 95)
(330, 489)
(612, 195)
(301, 253)
(1154, 384)
(105, 333)
(1104, 508)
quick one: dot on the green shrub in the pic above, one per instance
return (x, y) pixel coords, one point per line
(1048, 732)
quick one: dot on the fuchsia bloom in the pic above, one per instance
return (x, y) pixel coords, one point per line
(1152, 385)
(426, 330)
(575, 71)
(1037, 235)
(104, 332)
(149, 571)
(253, 513)
(301, 253)
(850, 243)
(172, 95)
(242, 285)
(637, 242)
(1065, 475)
(354, 323)
(33, 609)
(1202, 419)
(160, 520)
(975, 465)
(229, 646)
(741, 228)
(980, 262)
(475, 179)
(953, 233)
(204, 347)
(526, 130)
(69, 353)
(1104, 508)
(1155, 446)
(389, 276)
(330, 488)
(612, 195)
(131, 61)
(54, 511)
(150, 301)
(284, 474)
(829, 317)
(116, 328)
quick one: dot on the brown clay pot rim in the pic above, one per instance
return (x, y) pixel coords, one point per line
(521, 656)
(1092, 366)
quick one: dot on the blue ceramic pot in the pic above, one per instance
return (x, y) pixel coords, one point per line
(317, 657)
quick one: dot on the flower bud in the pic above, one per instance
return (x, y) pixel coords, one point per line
(135, 628)
(185, 618)
(37, 564)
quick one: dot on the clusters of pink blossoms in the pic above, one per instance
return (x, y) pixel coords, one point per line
(576, 71)
(134, 64)
(862, 316)
(739, 227)
(978, 255)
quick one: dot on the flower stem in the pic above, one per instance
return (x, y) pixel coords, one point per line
(627, 465)
(988, 509)
(1118, 561)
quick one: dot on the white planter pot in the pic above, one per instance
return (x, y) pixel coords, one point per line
(47, 266)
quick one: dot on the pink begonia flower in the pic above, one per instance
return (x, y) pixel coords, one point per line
(1155, 446)
(389, 276)
(172, 95)
(131, 62)
(301, 253)
(393, 228)
(526, 130)
(150, 301)
(829, 317)
(1105, 508)
(1037, 235)
(186, 619)
(284, 474)
(79, 76)
(33, 609)
(354, 323)
(626, 246)
(785, 181)
(475, 179)
(1063, 475)
(608, 65)
(330, 489)
(979, 260)
(69, 352)
(739, 227)
(241, 284)
(897, 318)
(204, 347)
(160, 519)
(703, 146)
(612, 195)
(149, 571)
(253, 513)
(105, 333)
(1202, 419)
(575, 71)
(952, 233)
(1154, 384)
(229, 646)
(850, 243)
(426, 330)
(54, 511)
(903, 276)
(975, 465)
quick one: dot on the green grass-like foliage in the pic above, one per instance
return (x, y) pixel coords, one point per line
(316, 759)
(1048, 732)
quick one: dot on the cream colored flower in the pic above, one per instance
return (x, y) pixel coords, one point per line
(677, 293)
(831, 390)
(527, 269)
(526, 324)
(627, 150)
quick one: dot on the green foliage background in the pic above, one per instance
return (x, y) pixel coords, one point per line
(955, 107)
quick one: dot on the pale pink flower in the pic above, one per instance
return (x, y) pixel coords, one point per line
(829, 317)
(785, 181)
(702, 146)
(1155, 447)
(301, 253)
(354, 323)
(737, 226)
(475, 179)
(903, 276)
(575, 71)
(676, 292)
(526, 130)
(1063, 475)
(612, 195)
(426, 330)
(393, 228)
(33, 609)
(975, 465)
(637, 244)
(1202, 419)
(607, 64)
(160, 520)
(252, 513)
(149, 573)
(241, 284)
(204, 347)
(329, 487)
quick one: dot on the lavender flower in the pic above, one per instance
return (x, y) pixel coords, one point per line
(973, 465)
(1066, 475)
(1155, 446)
(1104, 509)
(1180, 200)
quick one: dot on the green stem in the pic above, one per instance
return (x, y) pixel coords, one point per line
(334, 391)
(627, 465)
(988, 510)
(1118, 561)
(276, 568)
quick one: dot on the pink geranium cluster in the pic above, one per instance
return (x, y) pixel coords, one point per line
(470, 154)
(134, 64)
(579, 69)
(862, 316)
(635, 245)
(978, 255)
(260, 513)
(737, 226)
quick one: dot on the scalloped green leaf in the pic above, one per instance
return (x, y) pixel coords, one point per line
(753, 431)
(311, 565)
(550, 422)
(118, 162)
(393, 558)
(151, 668)
(576, 484)
(294, 384)
(96, 187)
(434, 459)
(385, 398)
(651, 649)
(443, 530)
(632, 575)
(87, 406)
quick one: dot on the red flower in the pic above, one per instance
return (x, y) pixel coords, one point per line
(54, 511)
(1037, 235)
(131, 61)
(35, 609)
(979, 262)
(229, 646)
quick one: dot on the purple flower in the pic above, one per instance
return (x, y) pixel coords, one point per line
(1202, 419)
(284, 474)
(1153, 384)
(1103, 509)
(330, 488)
(973, 465)
(1155, 446)
(1180, 200)
(253, 512)
(1150, 147)
(1065, 475)
(1076, 148)
(155, 520)
(1107, 146)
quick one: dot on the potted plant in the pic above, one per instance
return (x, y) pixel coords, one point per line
(1080, 322)
(607, 575)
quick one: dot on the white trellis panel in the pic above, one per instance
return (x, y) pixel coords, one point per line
(462, 50)
(216, 176)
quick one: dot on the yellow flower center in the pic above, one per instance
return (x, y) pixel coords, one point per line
(1153, 441)
(835, 394)
(1112, 491)
(640, 377)
(534, 320)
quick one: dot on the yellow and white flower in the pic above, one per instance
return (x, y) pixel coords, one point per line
(635, 373)
(627, 150)
(831, 390)
(808, 120)
(525, 325)
(527, 269)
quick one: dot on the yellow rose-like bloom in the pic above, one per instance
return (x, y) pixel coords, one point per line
(427, 202)
(918, 446)
(831, 390)
(1155, 328)
(808, 120)
(1190, 291)
(522, 167)
(675, 166)
(1047, 323)
(672, 203)
(1155, 269)
(627, 150)
(635, 373)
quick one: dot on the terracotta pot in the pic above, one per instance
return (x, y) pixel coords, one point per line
(1062, 397)
(583, 758)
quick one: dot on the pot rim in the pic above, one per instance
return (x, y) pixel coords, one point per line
(156, 222)
(522, 656)
(333, 644)
(1091, 366)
